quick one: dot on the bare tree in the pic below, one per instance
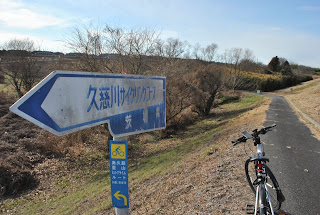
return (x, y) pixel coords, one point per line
(232, 58)
(207, 82)
(187, 53)
(174, 48)
(248, 61)
(21, 68)
(178, 98)
(196, 53)
(113, 49)
(209, 52)
(89, 42)
(132, 46)
(171, 63)
(169, 54)
(158, 49)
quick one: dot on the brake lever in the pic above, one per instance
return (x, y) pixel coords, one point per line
(240, 140)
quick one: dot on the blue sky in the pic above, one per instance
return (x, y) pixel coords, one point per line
(286, 28)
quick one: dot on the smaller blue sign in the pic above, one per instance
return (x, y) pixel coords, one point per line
(119, 173)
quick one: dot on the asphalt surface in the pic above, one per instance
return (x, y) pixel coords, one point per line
(294, 159)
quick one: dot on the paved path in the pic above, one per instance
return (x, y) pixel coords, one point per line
(294, 159)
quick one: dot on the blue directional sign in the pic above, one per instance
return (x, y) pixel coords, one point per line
(65, 102)
(119, 174)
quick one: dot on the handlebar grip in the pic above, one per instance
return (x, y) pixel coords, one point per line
(237, 141)
(271, 126)
(234, 144)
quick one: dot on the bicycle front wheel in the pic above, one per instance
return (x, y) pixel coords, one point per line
(121, 154)
(271, 182)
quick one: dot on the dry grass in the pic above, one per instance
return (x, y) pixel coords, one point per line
(202, 182)
(197, 171)
(306, 97)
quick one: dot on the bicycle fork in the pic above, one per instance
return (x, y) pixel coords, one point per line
(257, 199)
(269, 198)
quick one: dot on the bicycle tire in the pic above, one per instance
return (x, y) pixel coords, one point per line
(262, 200)
(275, 189)
(121, 153)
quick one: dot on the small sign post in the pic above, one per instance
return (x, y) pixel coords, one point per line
(119, 173)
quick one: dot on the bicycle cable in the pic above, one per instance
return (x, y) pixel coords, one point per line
(244, 146)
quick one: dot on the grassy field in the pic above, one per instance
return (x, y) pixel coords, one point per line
(193, 172)
(7, 88)
(4, 88)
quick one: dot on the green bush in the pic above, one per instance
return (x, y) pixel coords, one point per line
(267, 83)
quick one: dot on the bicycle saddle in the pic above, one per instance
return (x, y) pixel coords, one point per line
(259, 157)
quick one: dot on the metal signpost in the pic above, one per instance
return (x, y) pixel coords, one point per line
(67, 101)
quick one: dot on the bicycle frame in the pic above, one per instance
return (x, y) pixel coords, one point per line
(261, 176)
(259, 161)
(260, 150)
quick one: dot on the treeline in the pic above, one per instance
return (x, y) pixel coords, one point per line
(195, 75)
(278, 74)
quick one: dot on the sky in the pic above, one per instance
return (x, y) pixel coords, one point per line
(284, 28)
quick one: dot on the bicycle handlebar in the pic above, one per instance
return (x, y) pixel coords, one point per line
(239, 140)
(254, 135)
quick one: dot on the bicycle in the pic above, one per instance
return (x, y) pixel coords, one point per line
(261, 177)
(118, 152)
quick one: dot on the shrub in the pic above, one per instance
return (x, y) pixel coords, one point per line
(16, 175)
(265, 71)
(267, 82)
(15, 181)
(5, 102)
(286, 72)
(226, 98)
(2, 78)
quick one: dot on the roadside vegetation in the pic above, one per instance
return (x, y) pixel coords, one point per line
(42, 173)
(80, 184)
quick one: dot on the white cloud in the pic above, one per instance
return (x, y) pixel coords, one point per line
(9, 4)
(275, 28)
(14, 14)
(310, 8)
(42, 43)
(165, 34)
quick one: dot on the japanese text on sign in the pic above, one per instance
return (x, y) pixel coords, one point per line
(119, 172)
(117, 96)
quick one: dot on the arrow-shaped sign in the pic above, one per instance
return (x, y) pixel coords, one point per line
(65, 102)
(118, 195)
